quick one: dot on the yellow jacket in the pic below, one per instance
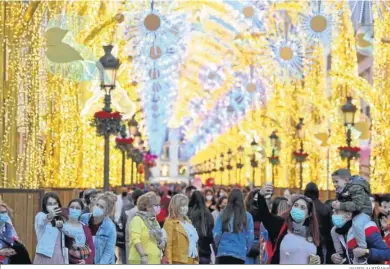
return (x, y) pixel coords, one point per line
(176, 250)
(139, 233)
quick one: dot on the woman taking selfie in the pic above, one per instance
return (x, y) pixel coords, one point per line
(295, 234)
(78, 238)
(233, 231)
(102, 228)
(48, 226)
(181, 235)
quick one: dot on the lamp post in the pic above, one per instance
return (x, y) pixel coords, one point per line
(240, 165)
(300, 134)
(349, 111)
(107, 66)
(254, 162)
(229, 166)
(274, 143)
(133, 129)
(221, 167)
(214, 167)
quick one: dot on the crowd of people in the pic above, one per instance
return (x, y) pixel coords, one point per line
(214, 225)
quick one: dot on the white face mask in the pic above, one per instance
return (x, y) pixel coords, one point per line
(183, 210)
(209, 197)
(157, 209)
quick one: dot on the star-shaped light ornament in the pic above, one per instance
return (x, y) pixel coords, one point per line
(248, 15)
(156, 40)
(212, 77)
(286, 55)
(319, 22)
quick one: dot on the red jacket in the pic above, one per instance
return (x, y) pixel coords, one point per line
(89, 243)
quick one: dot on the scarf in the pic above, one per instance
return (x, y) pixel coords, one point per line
(344, 230)
(155, 231)
(299, 229)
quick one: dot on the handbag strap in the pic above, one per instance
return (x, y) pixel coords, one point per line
(278, 238)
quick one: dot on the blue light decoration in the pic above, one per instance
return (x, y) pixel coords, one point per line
(212, 76)
(156, 39)
(319, 22)
(362, 11)
(249, 15)
(286, 54)
(248, 91)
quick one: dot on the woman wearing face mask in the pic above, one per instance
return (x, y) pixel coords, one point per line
(48, 227)
(102, 228)
(345, 244)
(181, 235)
(295, 234)
(147, 239)
(233, 231)
(78, 236)
(221, 205)
(11, 250)
(221, 193)
(204, 223)
(210, 202)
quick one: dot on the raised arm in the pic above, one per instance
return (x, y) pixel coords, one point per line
(273, 224)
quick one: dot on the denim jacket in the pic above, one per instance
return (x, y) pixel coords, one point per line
(46, 235)
(232, 244)
(104, 240)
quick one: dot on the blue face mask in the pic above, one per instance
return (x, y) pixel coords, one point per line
(74, 213)
(4, 218)
(97, 212)
(338, 220)
(297, 214)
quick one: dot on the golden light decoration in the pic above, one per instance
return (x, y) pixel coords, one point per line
(45, 142)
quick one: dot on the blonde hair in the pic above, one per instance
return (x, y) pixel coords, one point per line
(146, 200)
(176, 202)
(9, 210)
(110, 199)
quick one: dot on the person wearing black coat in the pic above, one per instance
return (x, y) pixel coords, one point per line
(324, 215)
(203, 221)
(279, 226)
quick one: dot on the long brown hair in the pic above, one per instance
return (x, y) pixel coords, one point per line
(236, 209)
(311, 222)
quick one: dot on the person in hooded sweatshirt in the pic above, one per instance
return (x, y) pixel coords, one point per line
(324, 215)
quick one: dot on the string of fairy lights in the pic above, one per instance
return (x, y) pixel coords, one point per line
(46, 142)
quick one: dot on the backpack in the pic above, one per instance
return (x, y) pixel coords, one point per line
(267, 248)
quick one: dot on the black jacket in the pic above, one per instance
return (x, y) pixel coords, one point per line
(22, 256)
(324, 215)
(207, 239)
(273, 224)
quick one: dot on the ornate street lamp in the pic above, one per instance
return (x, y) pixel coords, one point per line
(349, 111)
(254, 162)
(229, 166)
(274, 159)
(107, 66)
(124, 144)
(239, 162)
(299, 155)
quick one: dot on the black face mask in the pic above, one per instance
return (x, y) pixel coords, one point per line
(124, 194)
